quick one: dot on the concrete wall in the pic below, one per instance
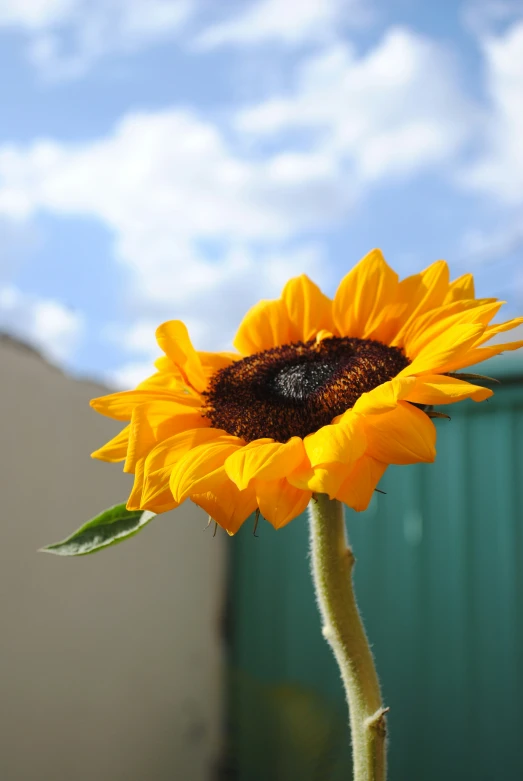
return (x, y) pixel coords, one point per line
(110, 664)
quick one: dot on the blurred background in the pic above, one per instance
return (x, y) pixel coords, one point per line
(181, 159)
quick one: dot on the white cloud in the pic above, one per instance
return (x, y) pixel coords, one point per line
(162, 180)
(205, 230)
(288, 23)
(212, 309)
(129, 375)
(483, 17)
(66, 37)
(482, 247)
(140, 337)
(498, 170)
(391, 112)
(45, 323)
(174, 194)
(35, 14)
(168, 175)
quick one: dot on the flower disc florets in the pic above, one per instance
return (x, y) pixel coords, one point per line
(295, 389)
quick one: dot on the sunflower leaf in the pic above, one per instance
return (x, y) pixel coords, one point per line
(110, 527)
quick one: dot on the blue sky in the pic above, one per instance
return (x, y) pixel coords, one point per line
(182, 158)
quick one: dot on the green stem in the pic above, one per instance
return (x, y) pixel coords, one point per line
(332, 563)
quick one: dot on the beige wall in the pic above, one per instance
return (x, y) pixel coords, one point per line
(110, 664)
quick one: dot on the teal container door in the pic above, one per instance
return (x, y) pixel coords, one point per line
(439, 580)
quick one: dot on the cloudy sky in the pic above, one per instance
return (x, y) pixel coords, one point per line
(182, 158)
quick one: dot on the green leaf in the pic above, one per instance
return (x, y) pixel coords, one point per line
(110, 527)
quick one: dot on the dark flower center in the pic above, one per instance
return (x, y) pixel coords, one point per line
(297, 388)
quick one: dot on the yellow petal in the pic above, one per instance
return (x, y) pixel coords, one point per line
(197, 470)
(479, 354)
(135, 499)
(323, 334)
(389, 321)
(212, 362)
(420, 293)
(384, 397)
(499, 328)
(461, 288)
(227, 505)
(358, 488)
(116, 449)
(434, 285)
(168, 451)
(320, 479)
(161, 504)
(150, 423)
(403, 436)
(156, 487)
(163, 381)
(158, 507)
(342, 442)
(164, 364)
(309, 310)
(447, 348)
(467, 309)
(280, 502)
(173, 338)
(438, 389)
(264, 326)
(120, 405)
(168, 376)
(426, 333)
(265, 460)
(161, 459)
(363, 294)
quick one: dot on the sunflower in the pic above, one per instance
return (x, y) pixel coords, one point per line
(320, 397)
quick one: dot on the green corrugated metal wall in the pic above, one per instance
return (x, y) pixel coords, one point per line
(439, 579)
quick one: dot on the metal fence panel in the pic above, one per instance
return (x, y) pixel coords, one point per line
(439, 579)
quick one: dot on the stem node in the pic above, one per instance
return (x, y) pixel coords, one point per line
(378, 721)
(327, 633)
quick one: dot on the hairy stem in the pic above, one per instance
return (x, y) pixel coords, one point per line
(332, 563)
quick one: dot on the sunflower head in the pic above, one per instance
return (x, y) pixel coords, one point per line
(320, 396)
